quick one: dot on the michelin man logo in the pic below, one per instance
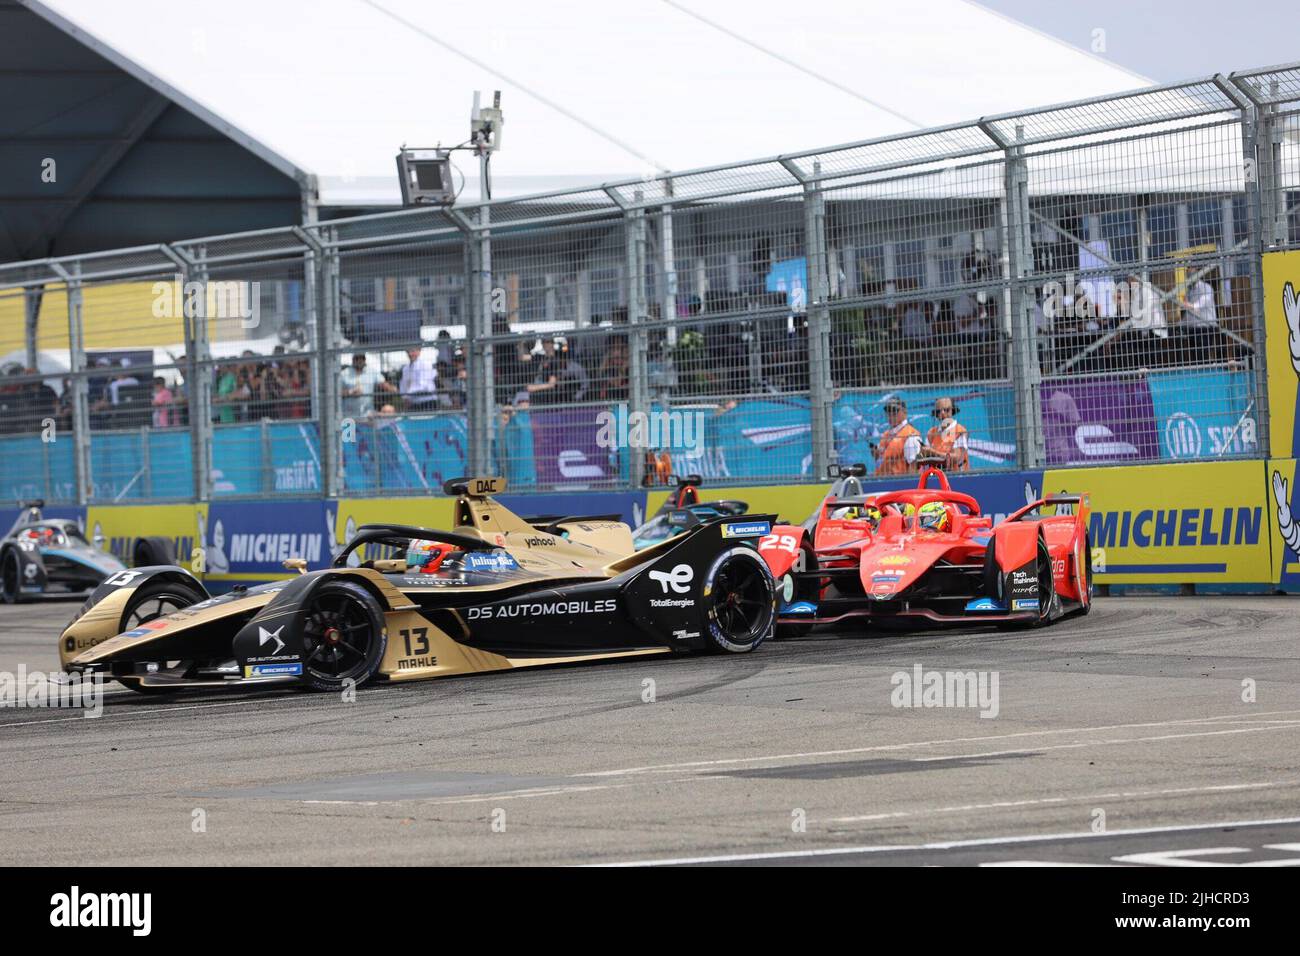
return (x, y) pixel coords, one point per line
(1285, 522)
(1291, 308)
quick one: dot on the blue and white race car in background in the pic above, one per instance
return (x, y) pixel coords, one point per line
(51, 556)
(682, 510)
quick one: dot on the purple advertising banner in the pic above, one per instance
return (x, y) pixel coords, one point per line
(1093, 420)
(565, 447)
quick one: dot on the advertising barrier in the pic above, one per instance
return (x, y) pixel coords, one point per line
(1173, 415)
(1175, 524)
(1200, 522)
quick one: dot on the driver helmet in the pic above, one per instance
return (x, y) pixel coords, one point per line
(423, 556)
(934, 516)
(871, 513)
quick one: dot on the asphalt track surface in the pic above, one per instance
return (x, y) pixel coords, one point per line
(1135, 712)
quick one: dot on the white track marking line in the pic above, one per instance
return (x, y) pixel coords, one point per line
(1078, 798)
(948, 845)
(882, 748)
(1289, 725)
(155, 711)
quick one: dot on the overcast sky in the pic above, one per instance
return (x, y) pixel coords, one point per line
(1168, 40)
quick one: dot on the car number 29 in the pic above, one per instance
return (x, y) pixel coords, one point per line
(779, 542)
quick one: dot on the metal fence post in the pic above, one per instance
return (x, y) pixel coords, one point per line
(634, 228)
(81, 457)
(194, 331)
(1259, 153)
(820, 385)
(1026, 376)
(321, 268)
(668, 300)
(481, 400)
(201, 373)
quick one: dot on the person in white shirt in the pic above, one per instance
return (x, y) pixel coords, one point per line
(358, 387)
(419, 385)
(916, 323)
(1200, 308)
(1145, 310)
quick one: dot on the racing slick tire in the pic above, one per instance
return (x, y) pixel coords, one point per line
(152, 551)
(11, 577)
(344, 637)
(155, 600)
(1087, 576)
(793, 589)
(739, 601)
(995, 584)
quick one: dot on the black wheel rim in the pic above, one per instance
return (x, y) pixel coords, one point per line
(154, 607)
(338, 637)
(10, 575)
(740, 599)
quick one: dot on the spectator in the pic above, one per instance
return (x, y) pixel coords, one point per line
(948, 439)
(457, 381)
(419, 385)
(509, 363)
(1200, 309)
(899, 446)
(612, 375)
(295, 384)
(124, 379)
(41, 401)
(164, 414)
(546, 376)
(359, 385)
(230, 390)
(917, 336)
(1145, 311)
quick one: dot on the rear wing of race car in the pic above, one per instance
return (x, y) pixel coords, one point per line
(551, 524)
(1060, 499)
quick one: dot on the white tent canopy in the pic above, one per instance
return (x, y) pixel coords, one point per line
(592, 91)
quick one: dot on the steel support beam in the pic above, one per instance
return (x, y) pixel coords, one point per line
(820, 387)
(1026, 375)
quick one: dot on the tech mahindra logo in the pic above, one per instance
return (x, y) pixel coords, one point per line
(74, 909)
(678, 579)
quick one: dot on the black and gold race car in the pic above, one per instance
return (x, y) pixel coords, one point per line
(495, 593)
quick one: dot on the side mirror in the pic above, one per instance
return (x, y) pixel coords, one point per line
(295, 564)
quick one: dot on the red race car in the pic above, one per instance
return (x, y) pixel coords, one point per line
(926, 555)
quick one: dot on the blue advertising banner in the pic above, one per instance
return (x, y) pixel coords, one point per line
(254, 537)
(986, 412)
(405, 454)
(28, 460)
(514, 449)
(762, 439)
(1205, 414)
